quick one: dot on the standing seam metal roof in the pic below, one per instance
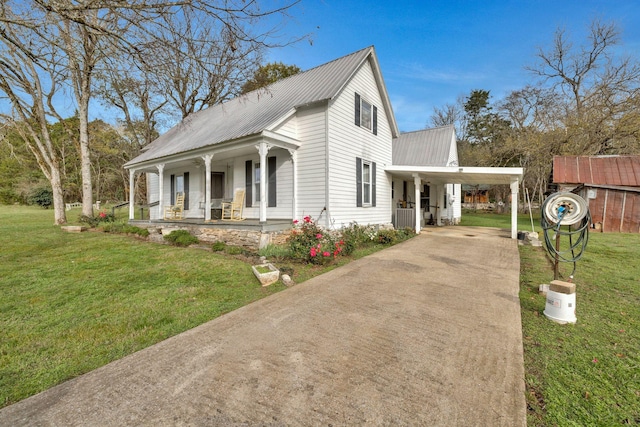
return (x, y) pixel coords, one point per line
(429, 147)
(252, 113)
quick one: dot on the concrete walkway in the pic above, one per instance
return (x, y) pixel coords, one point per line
(427, 332)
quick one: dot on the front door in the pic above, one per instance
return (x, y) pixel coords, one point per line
(217, 185)
(217, 194)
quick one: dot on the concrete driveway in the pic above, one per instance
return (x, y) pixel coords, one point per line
(427, 332)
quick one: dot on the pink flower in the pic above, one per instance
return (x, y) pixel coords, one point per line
(318, 236)
(325, 253)
(307, 219)
(312, 252)
(295, 221)
(103, 215)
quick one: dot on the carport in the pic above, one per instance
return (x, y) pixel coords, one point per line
(440, 175)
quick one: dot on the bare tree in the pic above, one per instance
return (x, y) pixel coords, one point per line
(210, 62)
(596, 84)
(572, 69)
(31, 90)
(77, 35)
(451, 114)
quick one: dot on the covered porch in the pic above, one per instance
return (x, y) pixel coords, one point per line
(439, 176)
(264, 165)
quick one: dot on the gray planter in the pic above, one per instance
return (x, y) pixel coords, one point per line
(269, 277)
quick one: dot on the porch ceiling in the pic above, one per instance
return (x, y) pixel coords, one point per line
(457, 174)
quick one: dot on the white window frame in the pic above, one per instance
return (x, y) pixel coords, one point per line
(179, 185)
(364, 116)
(256, 182)
(367, 186)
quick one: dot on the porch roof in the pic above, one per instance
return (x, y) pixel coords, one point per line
(458, 174)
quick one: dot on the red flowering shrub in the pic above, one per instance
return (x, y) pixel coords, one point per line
(308, 242)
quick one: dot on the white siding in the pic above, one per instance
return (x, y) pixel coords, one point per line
(348, 141)
(196, 189)
(311, 162)
(284, 184)
(288, 128)
(153, 194)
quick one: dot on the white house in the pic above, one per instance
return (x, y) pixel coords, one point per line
(323, 143)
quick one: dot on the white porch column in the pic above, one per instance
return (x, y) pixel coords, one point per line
(514, 208)
(294, 198)
(263, 149)
(160, 190)
(439, 203)
(417, 183)
(207, 186)
(132, 194)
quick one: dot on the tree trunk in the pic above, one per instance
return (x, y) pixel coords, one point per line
(60, 215)
(85, 160)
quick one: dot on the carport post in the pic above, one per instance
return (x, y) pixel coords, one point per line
(514, 208)
(417, 183)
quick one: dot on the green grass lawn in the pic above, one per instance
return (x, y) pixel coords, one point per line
(588, 373)
(72, 302)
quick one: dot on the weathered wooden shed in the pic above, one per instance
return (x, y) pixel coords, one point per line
(610, 185)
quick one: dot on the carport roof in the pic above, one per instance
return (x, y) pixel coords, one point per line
(458, 174)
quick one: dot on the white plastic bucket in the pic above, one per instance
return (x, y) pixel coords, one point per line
(561, 308)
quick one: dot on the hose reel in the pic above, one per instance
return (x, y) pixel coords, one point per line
(565, 208)
(572, 211)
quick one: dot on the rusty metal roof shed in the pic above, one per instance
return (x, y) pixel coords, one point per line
(597, 170)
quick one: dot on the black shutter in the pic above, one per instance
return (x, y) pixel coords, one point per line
(373, 183)
(271, 171)
(248, 178)
(358, 182)
(357, 110)
(375, 120)
(186, 190)
(173, 189)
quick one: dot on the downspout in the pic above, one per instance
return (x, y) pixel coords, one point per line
(294, 165)
(327, 207)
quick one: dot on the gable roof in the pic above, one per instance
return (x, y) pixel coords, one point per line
(254, 112)
(428, 147)
(597, 170)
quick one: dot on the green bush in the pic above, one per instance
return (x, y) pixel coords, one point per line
(355, 236)
(275, 251)
(41, 196)
(218, 246)
(181, 238)
(233, 250)
(119, 227)
(94, 221)
(310, 243)
(387, 236)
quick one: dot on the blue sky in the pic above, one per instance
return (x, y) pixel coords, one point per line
(431, 52)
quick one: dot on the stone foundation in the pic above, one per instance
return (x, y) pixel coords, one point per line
(250, 239)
